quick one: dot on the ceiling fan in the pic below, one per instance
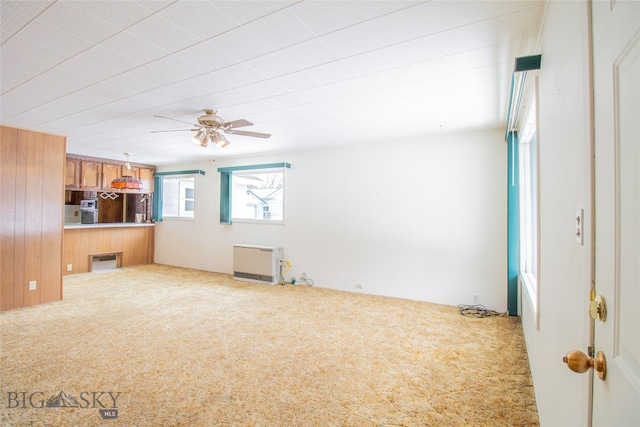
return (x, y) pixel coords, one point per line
(211, 127)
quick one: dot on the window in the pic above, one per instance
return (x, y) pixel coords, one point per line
(528, 196)
(178, 196)
(253, 193)
(258, 195)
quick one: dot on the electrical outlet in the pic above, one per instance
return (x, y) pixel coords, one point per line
(69, 267)
(32, 285)
(358, 286)
(475, 298)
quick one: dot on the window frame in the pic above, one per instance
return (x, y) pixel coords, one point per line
(529, 204)
(227, 191)
(158, 194)
(182, 199)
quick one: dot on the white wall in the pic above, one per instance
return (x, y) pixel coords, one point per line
(421, 219)
(563, 108)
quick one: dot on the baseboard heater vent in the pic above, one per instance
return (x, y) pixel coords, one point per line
(257, 264)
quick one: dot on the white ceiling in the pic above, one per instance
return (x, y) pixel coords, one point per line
(311, 73)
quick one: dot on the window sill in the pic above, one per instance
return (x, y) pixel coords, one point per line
(257, 221)
(178, 218)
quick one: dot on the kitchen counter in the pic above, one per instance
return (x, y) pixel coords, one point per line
(109, 225)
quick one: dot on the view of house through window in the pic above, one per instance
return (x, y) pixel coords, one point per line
(529, 205)
(178, 196)
(258, 195)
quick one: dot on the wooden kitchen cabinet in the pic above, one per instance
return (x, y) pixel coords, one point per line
(72, 173)
(90, 175)
(146, 176)
(110, 172)
(95, 174)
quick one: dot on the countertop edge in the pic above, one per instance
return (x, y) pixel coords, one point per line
(108, 225)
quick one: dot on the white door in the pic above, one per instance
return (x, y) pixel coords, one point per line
(616, 55)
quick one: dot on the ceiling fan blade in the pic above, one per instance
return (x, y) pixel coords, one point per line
(175, 120)
(237, 124)
(246, 133)
(176, 130)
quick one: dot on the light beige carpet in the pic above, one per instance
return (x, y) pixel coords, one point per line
(163, 346)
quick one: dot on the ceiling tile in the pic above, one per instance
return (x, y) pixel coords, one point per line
(118, 14)
(309, 54)
(98, 64)
(153, 75)
(267, 88)
(272, 64)
(17, 102)
(186, 89)
(376, 8)
(370, 62)
(14, 15)
(331, 72)
(133, 47)
(178, 67)
(130, 84)
(323, 17)
(280, 29)
(200, 18)
(30, 45)
(17, 68)
(243, 12)
(163, 34)
(352, 41)
(240, 44)
(212, 83)
(206, 56)
(240, 75)
(403, 25)
(297, 81)
(239, 95)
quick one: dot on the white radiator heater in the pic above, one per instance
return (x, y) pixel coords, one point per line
(257, 264)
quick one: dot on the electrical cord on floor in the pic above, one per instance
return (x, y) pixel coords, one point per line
(477, 310)
(304, 279)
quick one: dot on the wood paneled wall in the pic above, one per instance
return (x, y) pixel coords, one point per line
(31, 216)
(136, 244)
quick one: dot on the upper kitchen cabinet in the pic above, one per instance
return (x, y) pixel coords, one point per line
(72, 173)
(90, 175)
(85, 173)
(146, 176)
(110, 171)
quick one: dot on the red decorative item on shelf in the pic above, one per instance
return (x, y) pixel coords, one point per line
(126, 183)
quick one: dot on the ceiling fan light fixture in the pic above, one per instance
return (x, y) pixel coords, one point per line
(220, 140)
(199, 137)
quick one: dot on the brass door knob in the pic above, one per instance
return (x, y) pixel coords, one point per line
(579, 362)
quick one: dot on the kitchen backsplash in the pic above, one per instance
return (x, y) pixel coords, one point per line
(72, 214)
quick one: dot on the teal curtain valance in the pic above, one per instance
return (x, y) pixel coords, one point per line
(248, 167)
